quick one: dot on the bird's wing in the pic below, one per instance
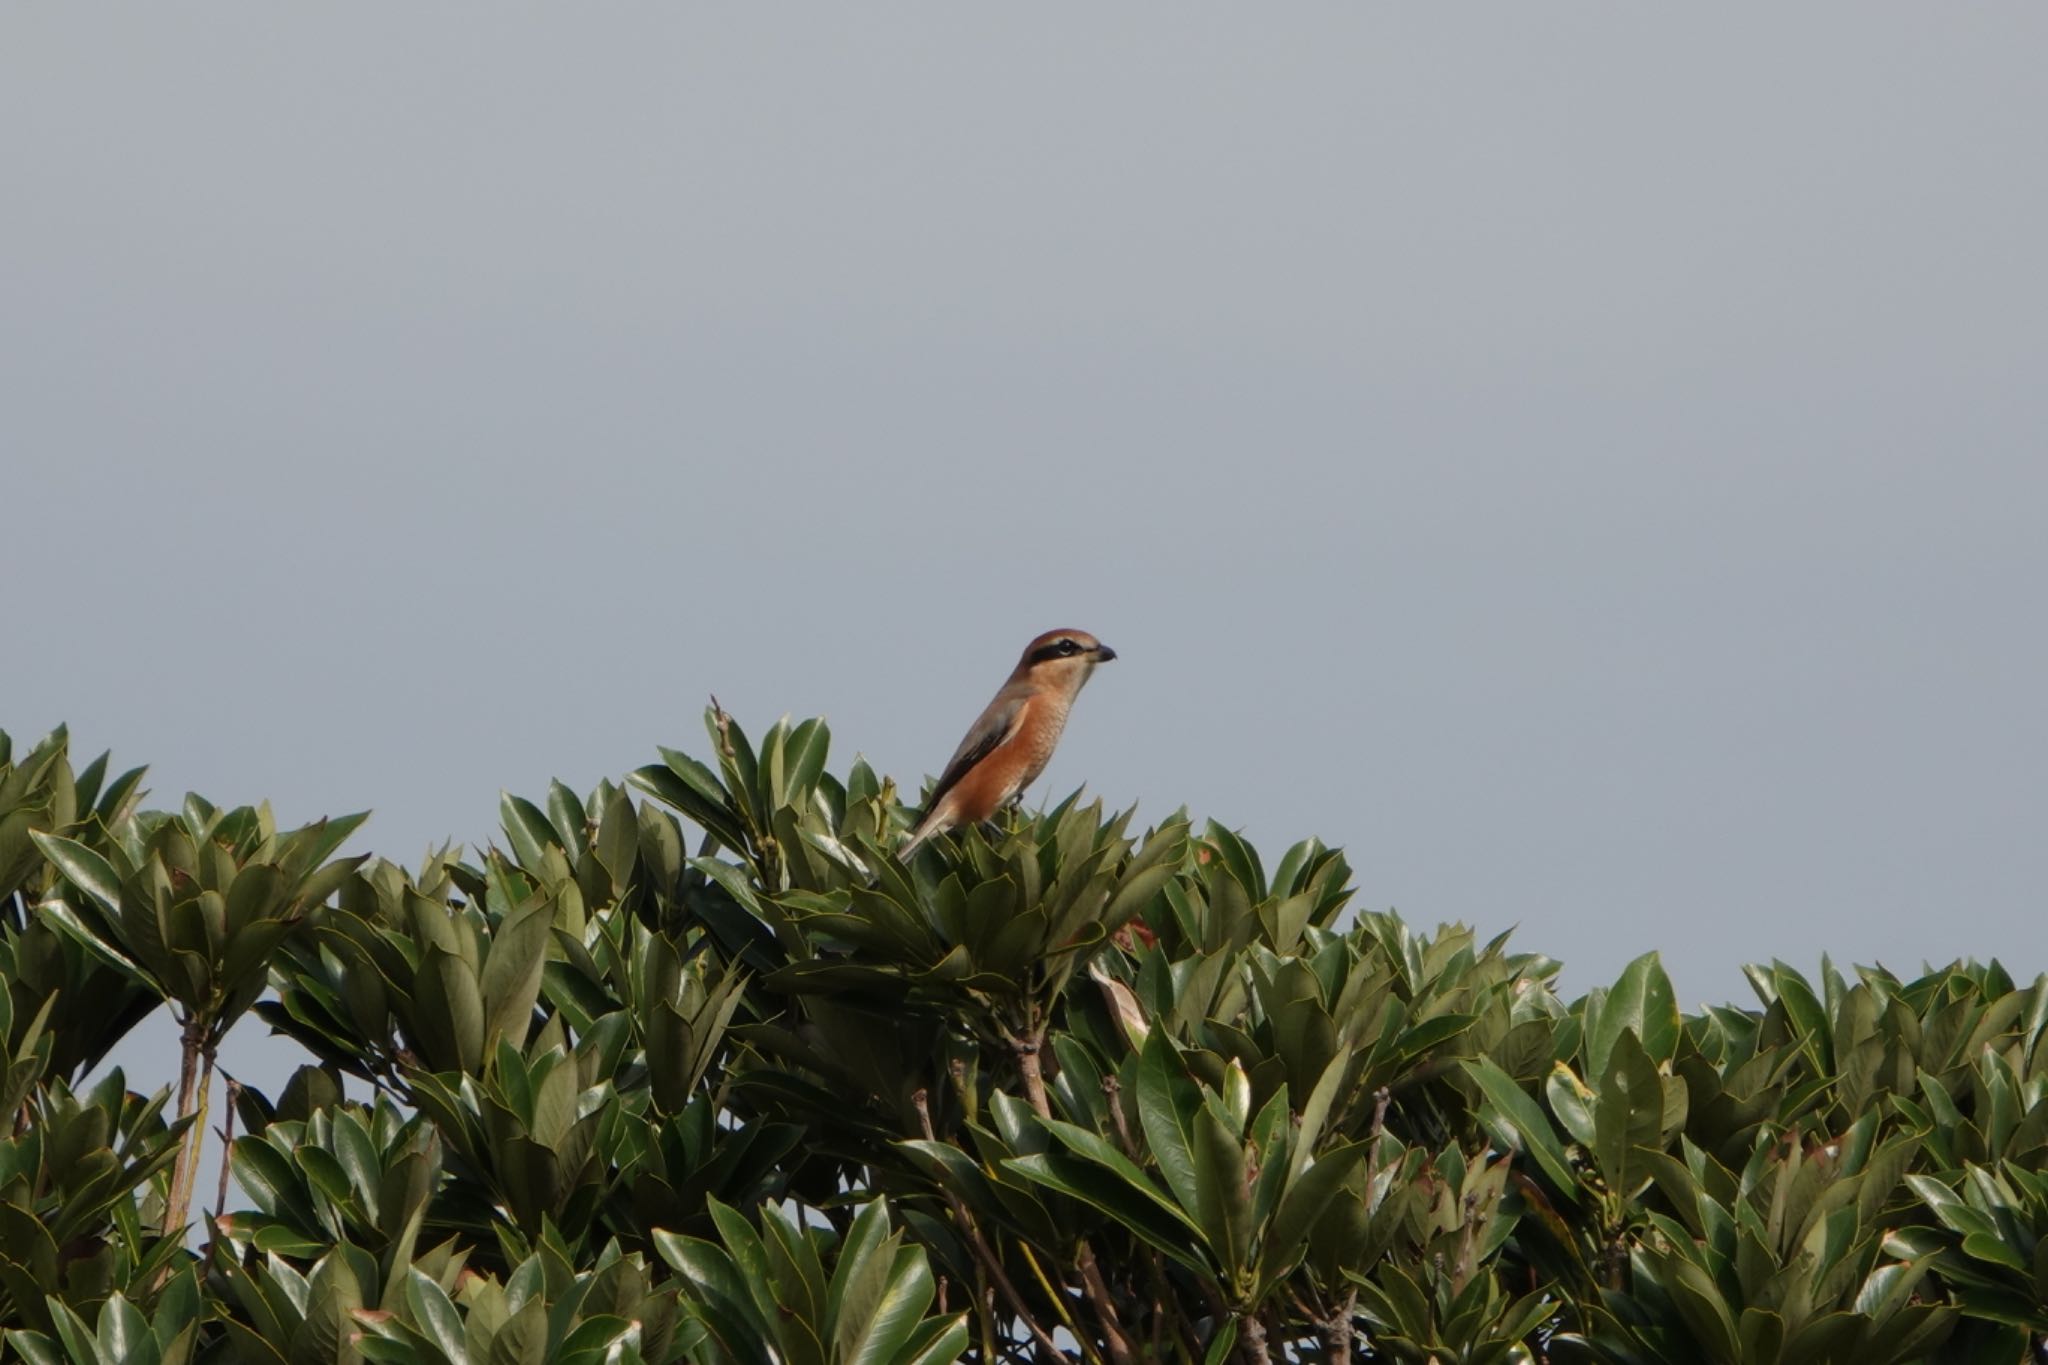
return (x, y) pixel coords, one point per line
(996, 724)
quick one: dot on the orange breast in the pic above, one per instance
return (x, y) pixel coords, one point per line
(983, 790)
(1012, 767)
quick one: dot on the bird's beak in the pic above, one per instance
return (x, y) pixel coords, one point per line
(1103, 654)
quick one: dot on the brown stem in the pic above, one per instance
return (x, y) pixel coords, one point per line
(1251, 1339)
(232, 1090)
(1336, 1332)
(1027, 1049)
(192, 1043)
(1163, 1297)
(1105, 1308)
(1032, 1073)
(979, 1244)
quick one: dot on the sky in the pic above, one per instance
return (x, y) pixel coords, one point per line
(1588, 461)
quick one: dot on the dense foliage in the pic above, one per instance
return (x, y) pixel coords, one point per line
(694, 1069)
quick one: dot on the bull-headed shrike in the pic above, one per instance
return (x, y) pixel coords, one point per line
(1007, 748)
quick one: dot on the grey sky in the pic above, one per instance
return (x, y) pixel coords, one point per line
(1590, 461)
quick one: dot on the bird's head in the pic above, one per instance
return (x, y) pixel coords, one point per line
(1061, 660)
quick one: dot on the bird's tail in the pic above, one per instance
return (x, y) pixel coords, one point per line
(924, 830)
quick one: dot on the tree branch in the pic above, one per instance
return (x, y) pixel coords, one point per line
(1027, 1050)
(1336, 1332)
(1105, 1308)
(982, 1250)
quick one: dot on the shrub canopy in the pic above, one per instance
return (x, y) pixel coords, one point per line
(693, 1068)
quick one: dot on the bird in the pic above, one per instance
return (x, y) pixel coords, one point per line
(1007, 747)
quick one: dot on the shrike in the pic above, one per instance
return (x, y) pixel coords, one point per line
(1007, 748)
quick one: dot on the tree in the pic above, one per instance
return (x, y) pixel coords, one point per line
(693, 1068)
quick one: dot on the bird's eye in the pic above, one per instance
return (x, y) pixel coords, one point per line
(1069, 647)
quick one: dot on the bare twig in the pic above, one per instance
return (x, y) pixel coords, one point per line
(1105, 1307)
(985, 1309)
(1027, 1049)
(1163, 1297)
(979, 1244)
(232, 1091)
(724, 723)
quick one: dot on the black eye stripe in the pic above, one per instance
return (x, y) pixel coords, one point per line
(1058, 649)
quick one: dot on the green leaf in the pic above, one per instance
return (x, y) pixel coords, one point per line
(1152, 1221)
(1990, 1247)
(84, 869)
(790, 1267)
(266, 1175)
(942, 1346)
(1628, 1114)
(809, 745)
(718, 1296)
(124, 1332)
(68, 922)
(566, 815)
(448, 1012)
(1316, 1113)
(527, 829)
(1307, 1198)
(1224, 1210)
(435, 1317)
(1092, 1147)
(1703, 1308)
(750, 1257)
(1955, 1215)
(868, 1236)
(324, 1171)
(511, 976)
(1642, 1001)
(894, 1317)
(71, 1329)
(1572, 1102)
(1222, 1344)
(523, 1340)
(1530, 1125)
(35, 1348)
(1168, 1100)
(618, 839)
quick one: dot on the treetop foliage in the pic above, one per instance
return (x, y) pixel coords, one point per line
(693, 1068)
